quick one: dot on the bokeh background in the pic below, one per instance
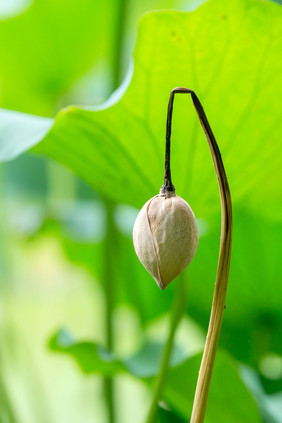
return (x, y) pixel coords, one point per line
(66, 257)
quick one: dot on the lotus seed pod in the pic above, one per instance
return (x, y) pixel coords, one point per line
(165, 237)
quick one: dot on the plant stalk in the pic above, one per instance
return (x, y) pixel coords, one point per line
(111, 232)
(108, 279)
(218, 305)
(176, 314)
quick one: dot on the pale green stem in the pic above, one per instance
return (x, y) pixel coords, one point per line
(176, 314)
(111, 236)
(108, 279)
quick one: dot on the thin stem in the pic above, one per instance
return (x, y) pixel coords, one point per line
(109, 270)
(168, 186)
(109, 297)
(218, 305)
(176, 314)
(111, 238)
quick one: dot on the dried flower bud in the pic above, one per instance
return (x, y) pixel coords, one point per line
(165, 237)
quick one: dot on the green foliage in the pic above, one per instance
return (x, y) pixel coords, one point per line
(46, 48)
(120, 150)
(124, 140)
(253, 317)
(166, 416)
(230, 54)
(180, 387)
(94, 358)
(16, 127)
(229, 398)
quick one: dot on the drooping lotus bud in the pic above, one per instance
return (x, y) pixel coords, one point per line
(165, 237)
(165, 233)
(166, 228)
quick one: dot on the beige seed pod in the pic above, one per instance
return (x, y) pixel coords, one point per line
(165, 237)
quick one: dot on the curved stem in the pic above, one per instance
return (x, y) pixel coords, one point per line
(168, 186)
(218, 305)
(176, 314)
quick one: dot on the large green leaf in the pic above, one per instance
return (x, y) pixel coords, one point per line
(230, 54)
(181, 382)
(270, 405)
(253, 317)
(95, 359)
(58, 51)
(16, 127)
(229, 399)
(48, 47)
(166, 416)
(91, 357)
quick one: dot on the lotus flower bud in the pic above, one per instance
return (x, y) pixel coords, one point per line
(165, 237)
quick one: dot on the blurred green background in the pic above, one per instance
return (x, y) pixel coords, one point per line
(68, 271)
